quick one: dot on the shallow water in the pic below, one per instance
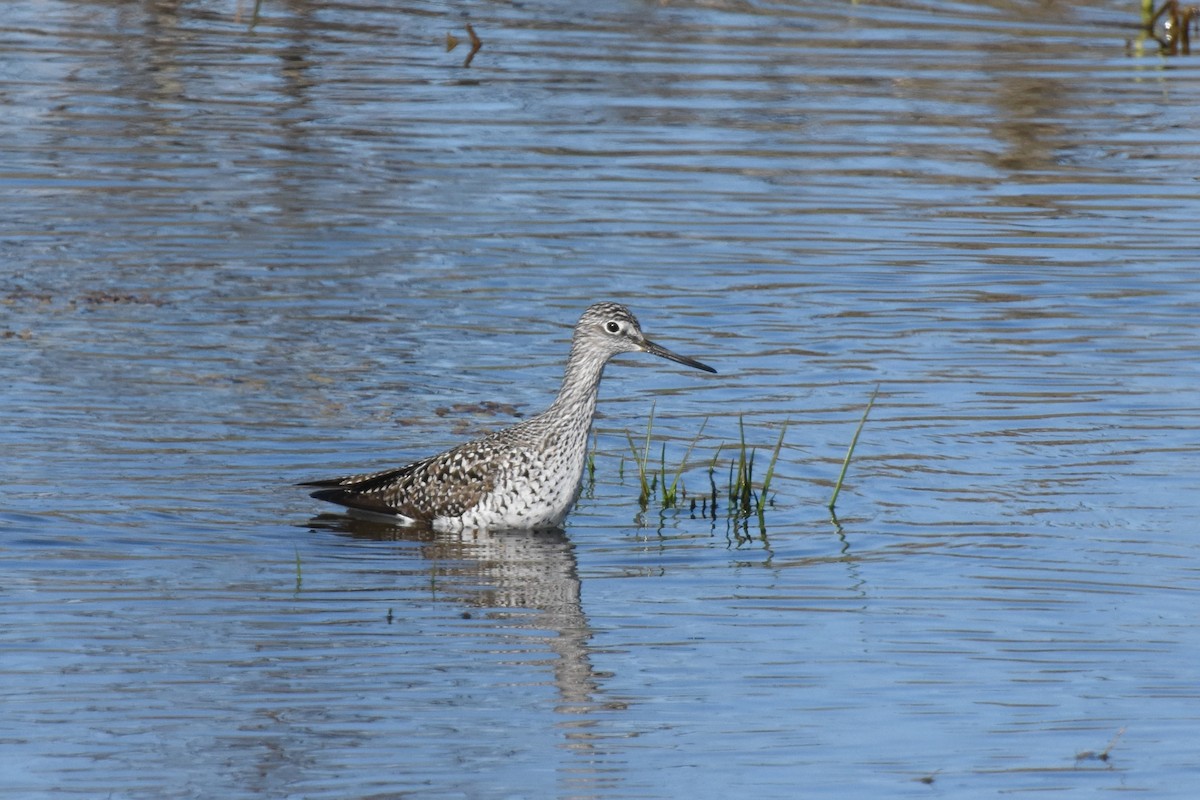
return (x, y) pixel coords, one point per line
(239, 257)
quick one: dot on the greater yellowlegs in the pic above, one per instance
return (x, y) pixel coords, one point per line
(526, 476)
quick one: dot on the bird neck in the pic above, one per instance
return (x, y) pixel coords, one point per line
(581, 382)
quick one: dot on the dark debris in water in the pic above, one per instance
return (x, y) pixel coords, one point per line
(1103, 755)
(488, 408)
(476, 43)
(90, 299)
(466, 418)
(100, 298)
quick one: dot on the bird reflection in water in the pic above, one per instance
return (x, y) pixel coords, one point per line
(517, 569)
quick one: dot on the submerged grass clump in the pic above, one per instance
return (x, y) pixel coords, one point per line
(742, 494)
(743, 497)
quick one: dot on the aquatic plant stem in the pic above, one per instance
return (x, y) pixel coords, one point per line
(774, 457)
(671, 492)
(837, 489)
(643, 459)
(766, 486)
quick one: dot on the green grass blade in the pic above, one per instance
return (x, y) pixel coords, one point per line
(648, 482)
(774, 457)
(649, 428)
(837, 489)
(591, 458)
(683, 463)
(641, 468)
(668, 492)
(739, 487)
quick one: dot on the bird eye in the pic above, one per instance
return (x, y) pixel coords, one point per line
(612, 327)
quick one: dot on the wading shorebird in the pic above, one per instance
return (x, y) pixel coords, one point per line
(527, 476)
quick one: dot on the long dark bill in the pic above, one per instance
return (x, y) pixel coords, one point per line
(657, 350)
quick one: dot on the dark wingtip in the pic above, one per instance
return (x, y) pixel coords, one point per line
(325, 482)
(328, 495)
(349, 499)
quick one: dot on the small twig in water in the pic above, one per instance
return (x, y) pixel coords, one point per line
(452, 42)
(1103, 755)
(476, 43)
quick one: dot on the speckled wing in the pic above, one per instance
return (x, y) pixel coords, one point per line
(446, 485)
